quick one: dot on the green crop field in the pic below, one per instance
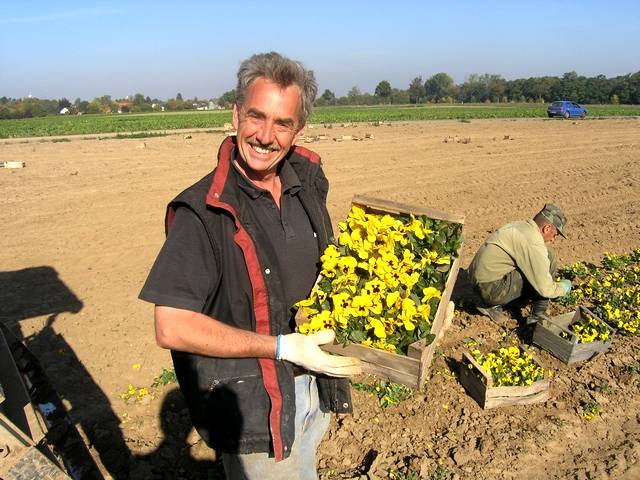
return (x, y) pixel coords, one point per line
(120, 123)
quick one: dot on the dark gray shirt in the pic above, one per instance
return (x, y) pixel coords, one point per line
(182, 275)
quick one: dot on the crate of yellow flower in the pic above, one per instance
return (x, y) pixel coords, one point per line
(385, 286)
(575, 336)
(509, 375)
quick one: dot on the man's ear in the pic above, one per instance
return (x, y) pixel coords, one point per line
(234, 117)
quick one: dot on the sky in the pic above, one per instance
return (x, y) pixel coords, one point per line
(55, 49)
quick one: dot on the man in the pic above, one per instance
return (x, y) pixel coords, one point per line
(243, 246)
(514, 262)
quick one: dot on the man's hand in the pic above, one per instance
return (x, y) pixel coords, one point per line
(566, 284)
(303, 350)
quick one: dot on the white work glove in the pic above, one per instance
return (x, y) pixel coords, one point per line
(303, 350)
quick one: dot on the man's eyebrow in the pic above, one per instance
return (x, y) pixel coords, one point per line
(287, 121)
(256, 113)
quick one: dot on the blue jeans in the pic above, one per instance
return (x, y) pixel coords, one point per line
(310, 426)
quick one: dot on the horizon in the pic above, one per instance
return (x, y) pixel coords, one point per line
(86, 50)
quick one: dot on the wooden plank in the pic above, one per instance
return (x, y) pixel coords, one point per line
(488, 380)
(376, 356)
(518, 391)
(391, 374)
(388, 206)
(527, 400)
(545, 337)
(472, 383)
(438, 322)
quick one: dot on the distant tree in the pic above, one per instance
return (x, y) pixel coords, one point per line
(438, 86)
(634, 88)
(63, 103)
(597, 90)
(354, 92)
(327, 98)
(496, 87)
(383, 90)
(416, 90)
(227, 99)
(179, 97)
(93, 107)
(138, 99)
(175, 104)
(400, 97)
(354, 96)
(4, 100)
(148, 100)
(573, 87)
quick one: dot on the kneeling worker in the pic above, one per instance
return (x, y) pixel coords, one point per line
(514, 262)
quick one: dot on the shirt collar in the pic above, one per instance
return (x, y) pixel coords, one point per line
(288, 178)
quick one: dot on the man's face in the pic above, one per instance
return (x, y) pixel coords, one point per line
(268, 124)
(549, 232)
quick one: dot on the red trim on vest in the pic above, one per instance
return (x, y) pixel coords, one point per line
(259, 292)
(313, 157)
(268, 367)
(168, 221)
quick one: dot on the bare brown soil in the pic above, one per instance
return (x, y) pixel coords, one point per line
(82, 225)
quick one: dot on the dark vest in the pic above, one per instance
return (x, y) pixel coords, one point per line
(247, 405)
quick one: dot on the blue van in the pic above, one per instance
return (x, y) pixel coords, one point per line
(566, 109)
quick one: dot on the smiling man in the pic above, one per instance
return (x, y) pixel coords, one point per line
(243, 246)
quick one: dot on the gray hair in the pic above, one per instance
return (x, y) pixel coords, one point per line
(282, 71)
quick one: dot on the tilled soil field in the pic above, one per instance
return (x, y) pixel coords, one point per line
(83, 224)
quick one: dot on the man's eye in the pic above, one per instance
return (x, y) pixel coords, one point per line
(283, 127)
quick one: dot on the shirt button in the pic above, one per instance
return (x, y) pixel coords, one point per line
(345, 405)
(286, 448)
(267, 271)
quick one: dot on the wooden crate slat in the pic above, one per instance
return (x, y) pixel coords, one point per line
(388, 206)
(488, 380)
(507, 392)
(397, 376)
(507, 401)
(438, 322)
(559, 347)
(473, 384)
(376, 356)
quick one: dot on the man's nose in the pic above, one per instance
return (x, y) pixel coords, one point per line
(265, 133)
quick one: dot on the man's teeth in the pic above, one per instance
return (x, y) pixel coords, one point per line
(261, 150)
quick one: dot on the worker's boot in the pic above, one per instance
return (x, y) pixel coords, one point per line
(495, 313)
(538, 311)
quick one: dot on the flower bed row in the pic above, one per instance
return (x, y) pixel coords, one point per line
(612, 290)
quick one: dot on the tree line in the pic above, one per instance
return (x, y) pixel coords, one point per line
(439, 88)
(491, 88)
(35, 107)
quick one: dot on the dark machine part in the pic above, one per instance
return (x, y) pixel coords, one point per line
(37, 437)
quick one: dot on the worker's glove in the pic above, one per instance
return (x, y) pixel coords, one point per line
(566, 284)
(303, 350)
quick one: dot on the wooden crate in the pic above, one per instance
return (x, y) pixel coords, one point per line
(568, 350)
(480, 386)
(410, 370)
